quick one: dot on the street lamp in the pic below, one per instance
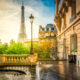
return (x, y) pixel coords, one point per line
(31, 20)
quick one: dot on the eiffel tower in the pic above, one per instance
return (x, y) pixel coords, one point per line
(22, 35)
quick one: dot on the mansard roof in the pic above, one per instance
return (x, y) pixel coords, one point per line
(48, 27)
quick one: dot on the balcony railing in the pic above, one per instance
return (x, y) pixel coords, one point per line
(72, 18)
(18, 59)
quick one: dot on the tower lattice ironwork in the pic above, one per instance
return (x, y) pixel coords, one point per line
(22, 35)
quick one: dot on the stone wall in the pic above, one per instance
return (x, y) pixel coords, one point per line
(74, 28)
(77, 6)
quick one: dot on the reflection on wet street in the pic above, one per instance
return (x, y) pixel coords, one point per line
(50, 70)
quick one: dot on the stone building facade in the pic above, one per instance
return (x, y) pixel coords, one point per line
(67, 19)
(47, 35)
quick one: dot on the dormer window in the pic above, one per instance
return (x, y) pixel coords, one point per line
(47, 29)
(52, 29)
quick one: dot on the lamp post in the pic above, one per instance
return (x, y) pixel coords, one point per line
(31, 20)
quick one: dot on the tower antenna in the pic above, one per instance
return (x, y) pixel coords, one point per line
(22, 2)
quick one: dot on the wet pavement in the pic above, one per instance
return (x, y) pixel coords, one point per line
(59, 71)
(50, 70)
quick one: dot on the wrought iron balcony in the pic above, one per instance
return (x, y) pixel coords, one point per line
(72, 18)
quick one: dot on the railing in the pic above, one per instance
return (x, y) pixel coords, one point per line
(18, 59)
(72, 18)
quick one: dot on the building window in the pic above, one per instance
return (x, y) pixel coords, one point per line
(73, 11)
(64, 24)
(74, 41)
(73, 7)
(52, 29)
(47, 29)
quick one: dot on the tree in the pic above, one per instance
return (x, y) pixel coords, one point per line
(0, 42)
(17, 48)
(35, 48)
(12, 41)
(44, 50)
(3, 48)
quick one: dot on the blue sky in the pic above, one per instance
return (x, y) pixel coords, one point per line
(49, 3)
(10, 17)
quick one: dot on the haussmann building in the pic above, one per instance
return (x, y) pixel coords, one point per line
(67, 19)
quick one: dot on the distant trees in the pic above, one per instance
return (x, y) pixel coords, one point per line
(35, 48)
(44, 50)
(14, 48)
(12, 41)
(0, 42)
(3, 48)
(17, 48)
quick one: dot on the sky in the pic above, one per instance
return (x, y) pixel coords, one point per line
(10, 17)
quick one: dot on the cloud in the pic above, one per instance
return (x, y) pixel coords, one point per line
(10, 18)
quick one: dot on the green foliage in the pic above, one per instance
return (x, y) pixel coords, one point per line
(44, 50)
(0, 42)
(12, 41)
(44, 55)
(17, 48)
(35, 48)
(3, 48)
(74, 50)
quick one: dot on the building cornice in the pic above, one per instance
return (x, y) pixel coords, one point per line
(77, 19)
